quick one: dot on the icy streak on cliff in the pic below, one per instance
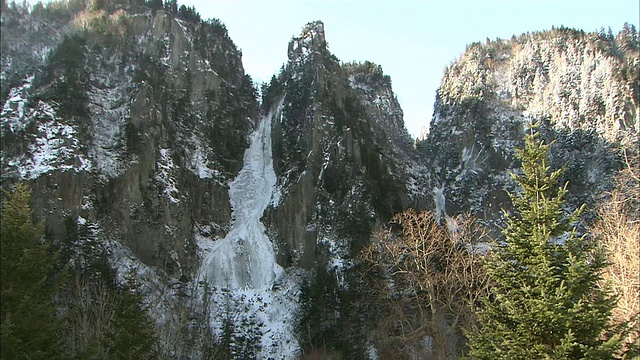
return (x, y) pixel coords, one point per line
(245, 258)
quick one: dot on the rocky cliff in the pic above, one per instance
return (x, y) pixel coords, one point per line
(132, 124)
(582, 87)
(340, 149)
(124, 123)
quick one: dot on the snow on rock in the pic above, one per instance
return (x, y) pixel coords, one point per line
(572, 79)
(109, 113)
(311, 41)
(199, 162)
(372, 352)
(158, 296)
(439, 200)
(54, 147)
(339, 260)
(199, 165)
(13, 111)
(165, 169)
(418, 176)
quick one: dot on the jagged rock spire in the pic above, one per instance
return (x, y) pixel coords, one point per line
(310, 41)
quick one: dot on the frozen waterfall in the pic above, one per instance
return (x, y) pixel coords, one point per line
(245, 258)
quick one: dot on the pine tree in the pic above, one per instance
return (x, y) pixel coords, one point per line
(546, 302)
(132, 334)
(29, 322)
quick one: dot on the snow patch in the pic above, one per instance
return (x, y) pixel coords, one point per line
(372, 352)
(54, 147)
(109, 110)
(339, 260)
(439, 200)
(259, 322)
(165, 168)
(418, 176)
(158, 297)
(13, 111)
(199, 166)
(199, 163)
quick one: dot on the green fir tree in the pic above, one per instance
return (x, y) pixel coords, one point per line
(546, 302)
(29, 324)
(132, 335)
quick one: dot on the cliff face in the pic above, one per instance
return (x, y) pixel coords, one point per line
(125, 124)
(132, 125)
(583, 88)
(145, 138)
(340, 151)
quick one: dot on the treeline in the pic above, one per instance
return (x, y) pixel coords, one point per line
(187, 13)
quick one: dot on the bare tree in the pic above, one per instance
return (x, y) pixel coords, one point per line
(618, 229)
(425, 281)
(90, 315)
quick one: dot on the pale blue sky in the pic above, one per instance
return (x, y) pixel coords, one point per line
(413, 40)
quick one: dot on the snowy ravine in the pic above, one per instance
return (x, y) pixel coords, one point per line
(253, 299)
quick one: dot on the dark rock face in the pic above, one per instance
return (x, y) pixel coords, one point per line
(339, 144)
(138, 125)
(138, 133)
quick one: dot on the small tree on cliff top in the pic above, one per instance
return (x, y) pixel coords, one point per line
(546, 302)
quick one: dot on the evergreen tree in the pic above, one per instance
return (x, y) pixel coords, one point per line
(29, 323)
(132, 334)
(155, 5)
(546, 302)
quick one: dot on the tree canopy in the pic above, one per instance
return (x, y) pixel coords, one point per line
(546, 301)
(29, 322)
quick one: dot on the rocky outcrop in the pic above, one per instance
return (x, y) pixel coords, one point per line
(583, 88)
(341, 152)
